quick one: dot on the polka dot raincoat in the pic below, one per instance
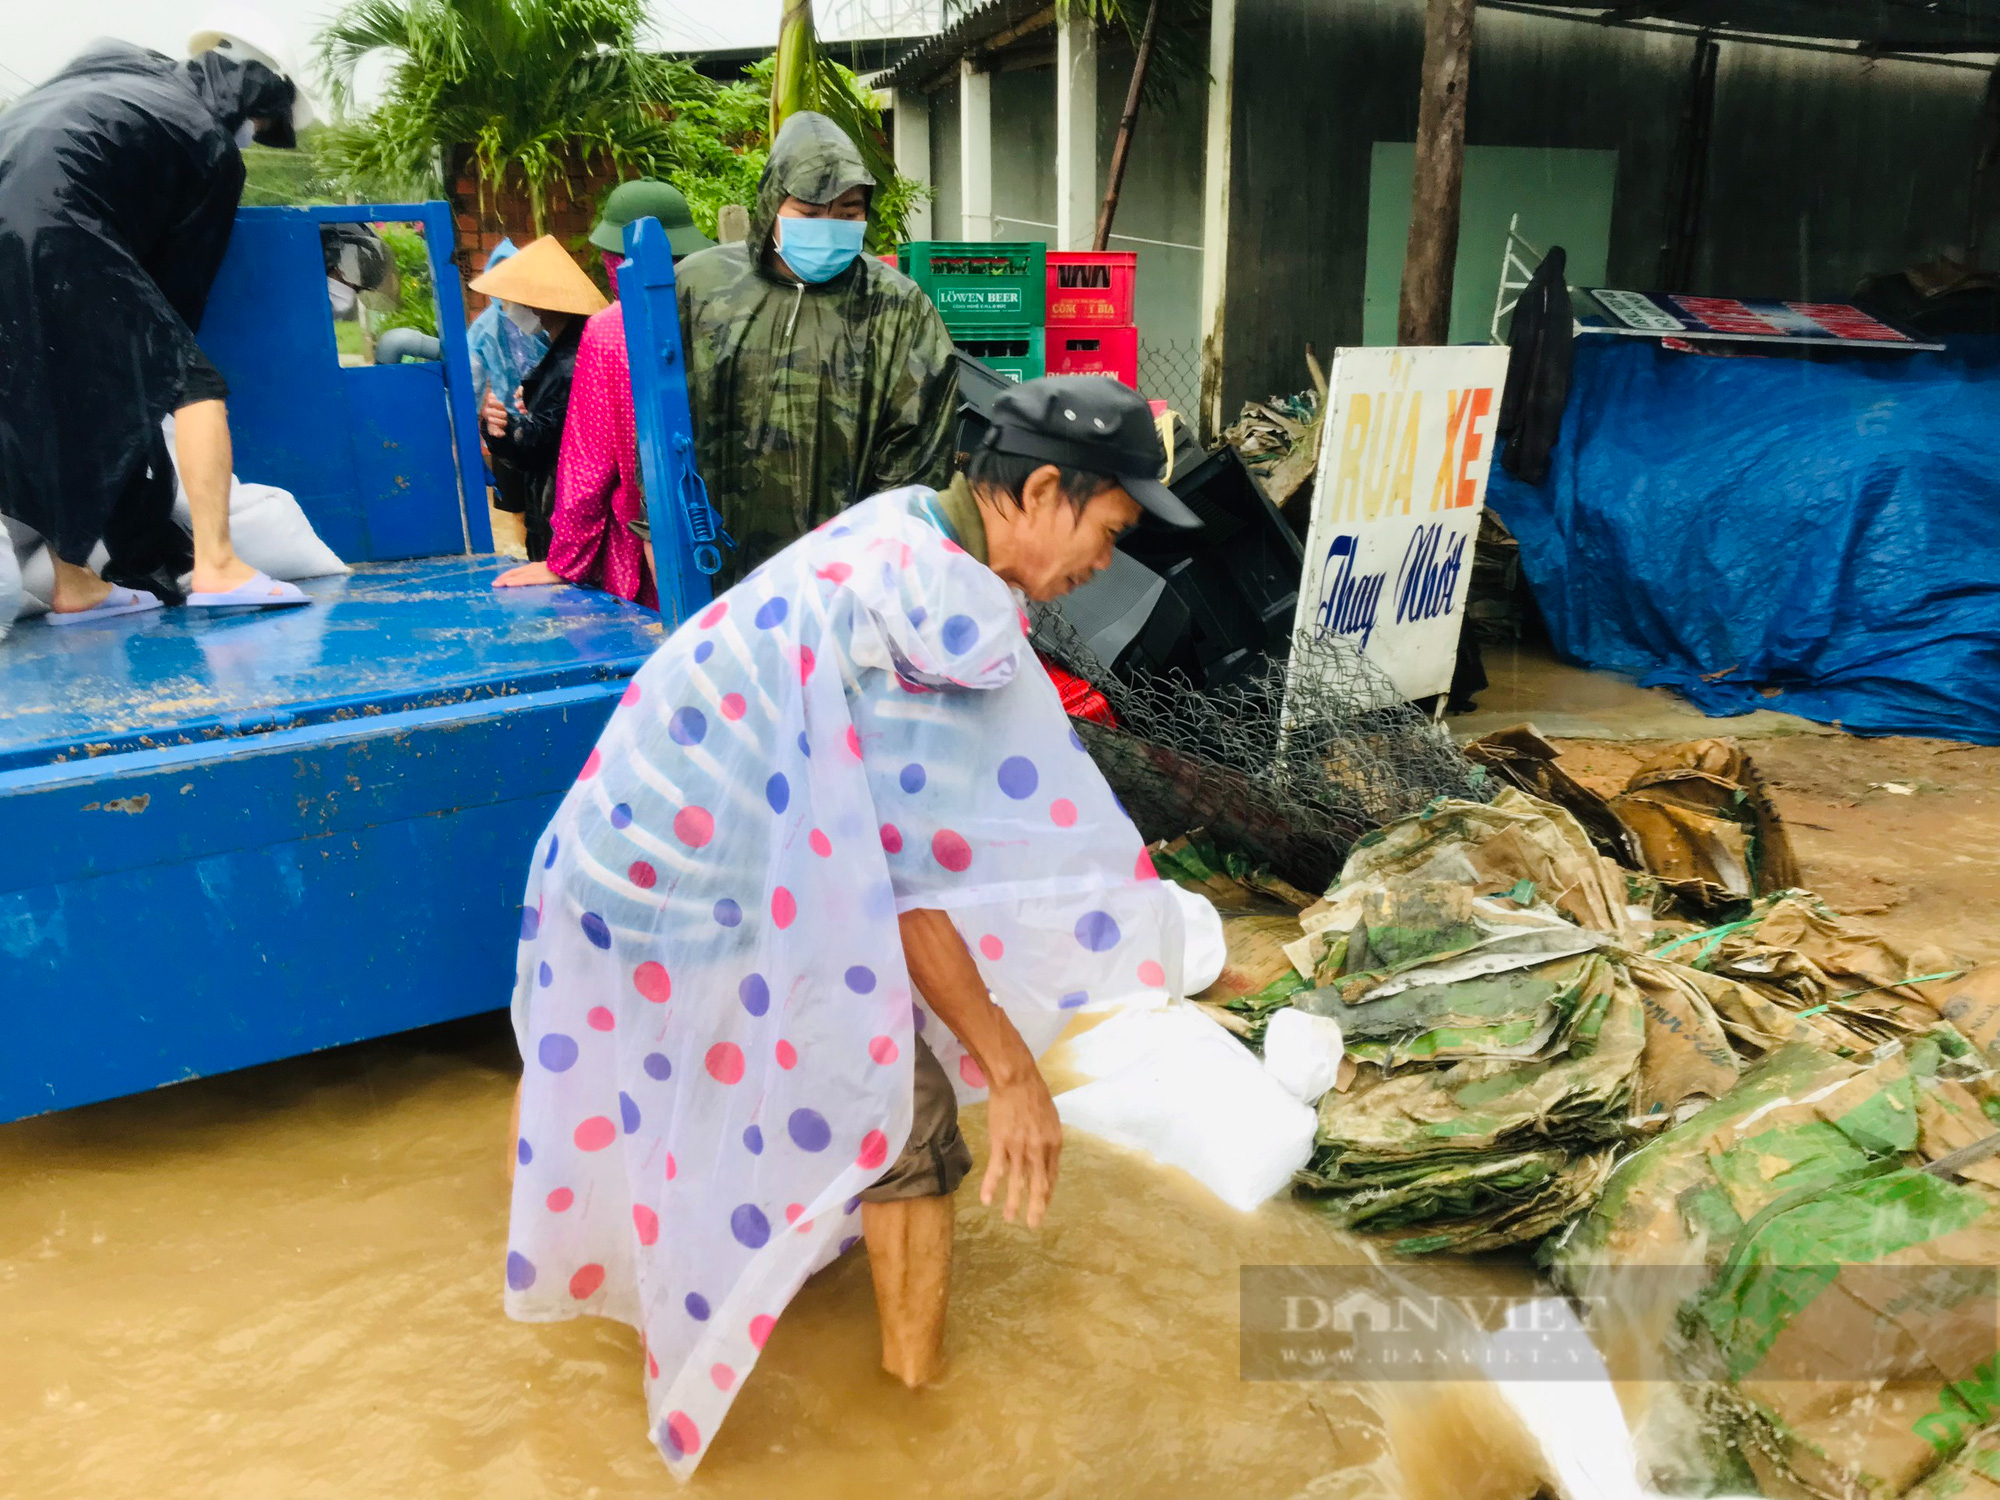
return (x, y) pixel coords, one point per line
(711, 998)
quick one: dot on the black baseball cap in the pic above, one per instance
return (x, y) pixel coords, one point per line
(1091, 423)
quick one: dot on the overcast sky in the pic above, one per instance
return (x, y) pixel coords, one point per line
(41, 35)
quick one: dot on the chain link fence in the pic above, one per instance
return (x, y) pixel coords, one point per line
(1290, 765)
(1170, 371)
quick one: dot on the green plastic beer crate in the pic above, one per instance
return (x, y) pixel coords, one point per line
(981, 284)
(1014, 354)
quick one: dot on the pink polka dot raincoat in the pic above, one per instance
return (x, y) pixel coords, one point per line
(711, 998)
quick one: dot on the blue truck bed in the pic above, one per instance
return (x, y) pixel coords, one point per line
(235, 837)
(238, 839)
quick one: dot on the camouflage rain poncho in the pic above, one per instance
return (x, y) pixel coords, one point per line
(807, 398)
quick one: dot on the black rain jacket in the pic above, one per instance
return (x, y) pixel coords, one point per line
(119, 180)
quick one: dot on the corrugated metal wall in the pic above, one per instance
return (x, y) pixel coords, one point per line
(1827, 169)
(1832, 164)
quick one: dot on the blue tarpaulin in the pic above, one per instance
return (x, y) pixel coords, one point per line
(1820, 537)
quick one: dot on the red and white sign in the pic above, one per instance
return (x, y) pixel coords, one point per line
(1751, 319)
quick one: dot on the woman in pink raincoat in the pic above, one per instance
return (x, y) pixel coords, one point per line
(837, 863)
(598, 526)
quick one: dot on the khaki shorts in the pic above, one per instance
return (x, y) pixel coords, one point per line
(936, 1159)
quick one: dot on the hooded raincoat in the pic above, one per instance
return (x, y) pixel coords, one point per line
(711, 998)
(119, 180)
(501, 354)
(808, 397)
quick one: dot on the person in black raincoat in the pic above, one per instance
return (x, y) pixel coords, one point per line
(542, 284)
(119, 180)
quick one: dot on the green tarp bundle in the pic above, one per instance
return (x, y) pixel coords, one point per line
(1526, 1080)
(1506, 1052)
(1834, 1320)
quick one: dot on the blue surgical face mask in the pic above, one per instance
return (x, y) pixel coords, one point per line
(820, 249)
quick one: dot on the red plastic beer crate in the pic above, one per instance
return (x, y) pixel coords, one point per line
(1088, 287)
(1090, 349)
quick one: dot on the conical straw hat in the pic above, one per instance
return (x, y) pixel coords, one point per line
(541, 275)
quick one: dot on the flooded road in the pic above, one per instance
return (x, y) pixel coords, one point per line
(286, 1283)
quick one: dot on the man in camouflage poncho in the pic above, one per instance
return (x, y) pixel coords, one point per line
(808, 396)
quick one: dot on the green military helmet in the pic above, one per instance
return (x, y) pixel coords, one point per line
(638, 200)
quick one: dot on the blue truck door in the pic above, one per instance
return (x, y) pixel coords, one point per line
(361, 449)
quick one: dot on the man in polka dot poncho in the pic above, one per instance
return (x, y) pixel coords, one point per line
(837, 856)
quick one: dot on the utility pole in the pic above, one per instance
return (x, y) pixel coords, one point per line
(1431, 257)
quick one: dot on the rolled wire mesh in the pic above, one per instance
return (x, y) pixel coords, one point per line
(1289, 766)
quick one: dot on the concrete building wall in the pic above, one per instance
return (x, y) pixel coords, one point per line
(1823, 168)
(1160, 202)
(1828, 169)
(945, 224)
(1160, 208)
(1024, 154)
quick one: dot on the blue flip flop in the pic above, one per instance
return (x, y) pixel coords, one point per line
(119, 601)
(259, 591)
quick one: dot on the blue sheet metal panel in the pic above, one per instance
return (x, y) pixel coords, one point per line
(302, 422)
(388, 638)
(461, 401)
(686, 530)
(269, 330)
(213, 909)
(402, 452)
(194, 801)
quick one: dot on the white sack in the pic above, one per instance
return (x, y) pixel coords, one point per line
(38, 583)
(1174, 1085)
(1207, 953)
(31, 565)
(270, 532)
(11, 592)
(1303, 1051)
(266, 527)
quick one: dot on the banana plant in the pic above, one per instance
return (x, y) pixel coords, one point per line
(796, 77)
(803, 77)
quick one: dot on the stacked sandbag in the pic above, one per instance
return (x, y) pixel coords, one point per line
(1794, 968)
(1836, 1222)
(12, 592)
(1514, 1017)
(1505, 1049)
(1695, 817)
(1492, 1098)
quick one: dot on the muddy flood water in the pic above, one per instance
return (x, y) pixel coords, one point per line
(286, 1283)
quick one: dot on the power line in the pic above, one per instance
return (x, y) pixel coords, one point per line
(691, 26)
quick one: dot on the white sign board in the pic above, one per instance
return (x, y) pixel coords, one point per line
(1396, 504)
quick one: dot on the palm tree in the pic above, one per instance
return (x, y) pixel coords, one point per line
(529, 86)
(532, 86)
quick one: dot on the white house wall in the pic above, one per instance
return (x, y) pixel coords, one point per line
(946, 223)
